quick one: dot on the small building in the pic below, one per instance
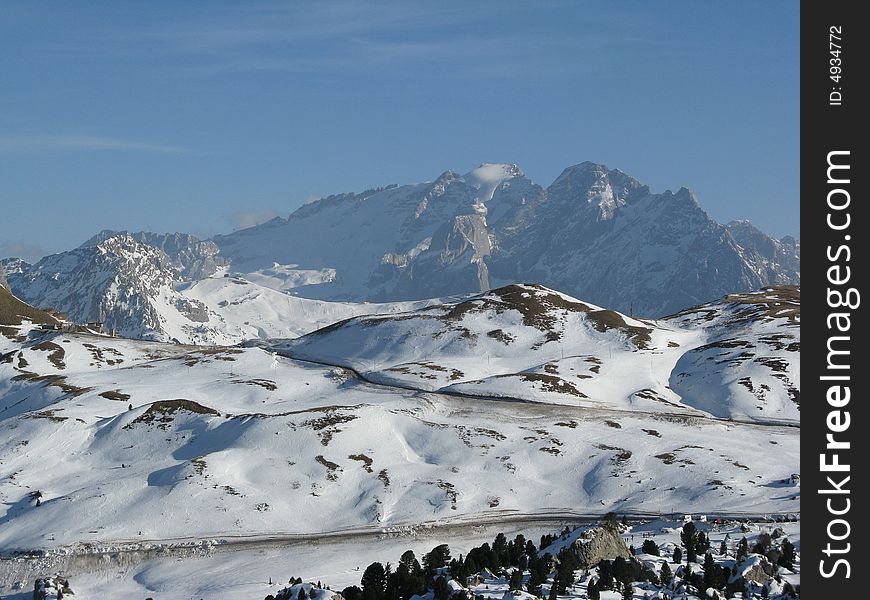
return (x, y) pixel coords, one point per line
(95, 326)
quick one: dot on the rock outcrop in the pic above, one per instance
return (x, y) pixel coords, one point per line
(600, 543)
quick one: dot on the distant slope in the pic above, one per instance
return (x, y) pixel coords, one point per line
(13, 310)
(532, 343)
(749, 366)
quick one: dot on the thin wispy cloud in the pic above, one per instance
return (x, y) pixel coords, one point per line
(245, 219)
(80, 143)
(23, 250)
(349, 37)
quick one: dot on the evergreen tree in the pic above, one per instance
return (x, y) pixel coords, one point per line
(442, 590)
(436, 559)
(627, 590)
(471, 567)
(516, 580)
(312, 594)
(568, 563)
(479, 557)
(500, 550)
(742, 549)
(665, 575)
(620, 568)
(710, 572)
(553, 591)
(410, 577)
(592, 590)
(539, 568)
(301, 594)
(702, 542)
(650, 547)
(723, 548)
(763, 544)
(517, 549)
(351, 593)
(689, 539)
(605, 575)
(530, 549)
(523, 562)
(374, 582)
(678, 555)
(787, 557)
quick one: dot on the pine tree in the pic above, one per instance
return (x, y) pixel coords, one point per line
(723, 548)
(516, 580)
(442, 590)
(627, 590)
(709, 572)
(301, 595)
(568, 563)
(665, 575)
(553, 591)
(374, 582)
(605, 575)
(517, 549)
(763, 544)
(500, 550)
(787, 557)
(742, 549)
(678, 555)
(436, 559)
(650, 547)
(592, 590)
(620, 568)
(690, 541)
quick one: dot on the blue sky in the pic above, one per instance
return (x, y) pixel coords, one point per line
(204, 117)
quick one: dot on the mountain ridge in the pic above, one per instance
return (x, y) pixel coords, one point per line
(594, 233)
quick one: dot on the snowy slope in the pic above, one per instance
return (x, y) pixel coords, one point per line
(749, 366)
(121, 437)
(532, 343)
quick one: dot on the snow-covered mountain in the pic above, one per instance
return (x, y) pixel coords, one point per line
(130, 283)
(113, 282)
(169, 442)
(193, 258)
(595, 233)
